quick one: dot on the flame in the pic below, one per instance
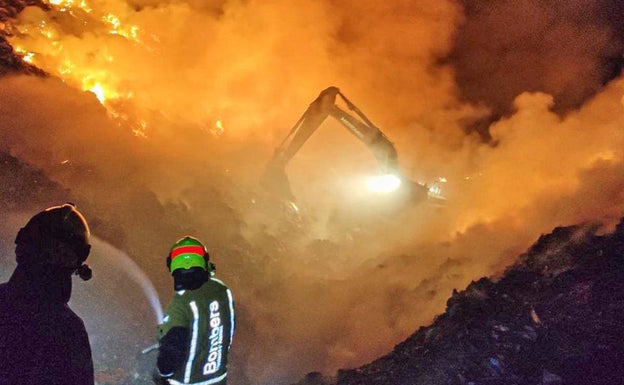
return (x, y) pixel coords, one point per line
(39, 43)
(99, 92)
(69, 5)
(27, 56)
(218, 128)
(117, 28)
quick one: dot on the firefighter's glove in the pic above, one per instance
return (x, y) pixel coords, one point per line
(158, 379)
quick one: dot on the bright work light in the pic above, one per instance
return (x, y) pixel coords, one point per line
(383, 184)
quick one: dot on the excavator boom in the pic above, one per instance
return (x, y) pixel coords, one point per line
(361, 127)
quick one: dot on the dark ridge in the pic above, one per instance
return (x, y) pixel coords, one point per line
(10, 61)
(23, 187)
(555, 317)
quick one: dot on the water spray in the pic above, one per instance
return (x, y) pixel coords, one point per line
(119, 259)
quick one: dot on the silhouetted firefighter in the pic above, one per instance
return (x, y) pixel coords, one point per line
(197, 330)
(42, 341)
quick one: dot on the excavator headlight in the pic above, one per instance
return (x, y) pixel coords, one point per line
(383, 184)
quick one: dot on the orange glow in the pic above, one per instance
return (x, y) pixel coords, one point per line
(41, 43)
(210, 88)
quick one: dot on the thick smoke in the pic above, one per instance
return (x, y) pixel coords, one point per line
(568, 49)
(212, 87)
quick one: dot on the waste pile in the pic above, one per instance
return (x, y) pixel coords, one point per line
(554, 317)
(10, 61)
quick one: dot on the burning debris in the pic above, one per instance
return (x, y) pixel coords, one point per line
(11, 61)
(31, 43)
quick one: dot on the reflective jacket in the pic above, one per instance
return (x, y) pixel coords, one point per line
(203, 321)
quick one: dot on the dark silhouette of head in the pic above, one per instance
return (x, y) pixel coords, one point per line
(57, 236)
(52, 246)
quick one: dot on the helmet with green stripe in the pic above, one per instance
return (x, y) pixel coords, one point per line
(187, 253)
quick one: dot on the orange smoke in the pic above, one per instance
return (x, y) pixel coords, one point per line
(211, 87)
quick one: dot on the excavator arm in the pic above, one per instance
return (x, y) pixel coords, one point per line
(361, 127)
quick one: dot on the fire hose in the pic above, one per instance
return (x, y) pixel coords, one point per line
(150, 348)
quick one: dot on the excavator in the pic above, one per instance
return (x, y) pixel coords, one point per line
(388, 179)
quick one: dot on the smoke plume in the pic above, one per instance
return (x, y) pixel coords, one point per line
(158, 117)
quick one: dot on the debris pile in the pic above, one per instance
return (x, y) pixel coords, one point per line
(10, 61)
(555, 317)
(24, 187)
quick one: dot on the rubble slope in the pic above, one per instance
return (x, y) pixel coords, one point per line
(554, 317)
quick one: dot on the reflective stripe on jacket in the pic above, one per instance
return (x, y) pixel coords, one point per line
(208, 314)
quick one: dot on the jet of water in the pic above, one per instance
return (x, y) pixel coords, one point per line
(113, 257)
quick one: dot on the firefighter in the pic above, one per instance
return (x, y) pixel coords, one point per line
(196, 332)
(42, 341)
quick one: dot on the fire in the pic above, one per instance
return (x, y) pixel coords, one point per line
(46, 44)
(131, 32)
(218, 128)
(69, 5)
(28, 57)
(99, 92)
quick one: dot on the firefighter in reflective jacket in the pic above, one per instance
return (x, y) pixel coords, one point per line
(196, 333)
